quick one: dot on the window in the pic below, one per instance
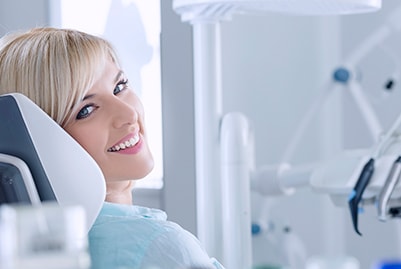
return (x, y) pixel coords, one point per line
(133, 27)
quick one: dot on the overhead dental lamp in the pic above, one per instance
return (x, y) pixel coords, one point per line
(206, 9)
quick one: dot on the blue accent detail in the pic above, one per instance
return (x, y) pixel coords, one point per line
(256, 229)
(351, 195)
(341, 75)
(390, 265)
(361, 184)
(361, 210)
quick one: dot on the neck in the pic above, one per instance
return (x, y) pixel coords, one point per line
(119, 192)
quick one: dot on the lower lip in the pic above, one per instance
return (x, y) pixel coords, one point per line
(132, 150)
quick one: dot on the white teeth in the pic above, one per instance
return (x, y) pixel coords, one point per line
(127, 144)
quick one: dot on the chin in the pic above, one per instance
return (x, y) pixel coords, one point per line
(137, 170)
(147, 168)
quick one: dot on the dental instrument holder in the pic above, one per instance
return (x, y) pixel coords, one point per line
(357, 192)
(388, 189)
(60, 170)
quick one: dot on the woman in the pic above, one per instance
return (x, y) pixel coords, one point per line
(76, 79)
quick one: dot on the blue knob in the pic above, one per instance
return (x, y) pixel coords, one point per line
(341, 75)
(256, 229)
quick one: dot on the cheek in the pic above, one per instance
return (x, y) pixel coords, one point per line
(85, 137)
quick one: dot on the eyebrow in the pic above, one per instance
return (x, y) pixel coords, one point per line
(89, 96)
(116, 79)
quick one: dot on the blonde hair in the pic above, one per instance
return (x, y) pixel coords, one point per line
(53, 67)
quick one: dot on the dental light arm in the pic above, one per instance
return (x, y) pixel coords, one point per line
(41, 162)
(344, 76)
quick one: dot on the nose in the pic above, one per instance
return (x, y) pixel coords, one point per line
(123, 113)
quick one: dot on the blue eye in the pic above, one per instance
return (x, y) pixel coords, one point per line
(85, 111)
(121, 85)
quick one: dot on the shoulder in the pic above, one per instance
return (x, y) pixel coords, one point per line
(176, 248)
(130, 211)
(140, 236)
(128, 221)
(122, 235)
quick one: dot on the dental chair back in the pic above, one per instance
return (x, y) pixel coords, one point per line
(40, 162)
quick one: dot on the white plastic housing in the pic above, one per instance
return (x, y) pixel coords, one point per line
(192, 10)
(235, 168)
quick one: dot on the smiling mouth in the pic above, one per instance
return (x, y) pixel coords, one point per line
(126, 144)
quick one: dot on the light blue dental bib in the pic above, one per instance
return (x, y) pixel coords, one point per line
(132, 237)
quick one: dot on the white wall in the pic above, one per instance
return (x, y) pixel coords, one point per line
(22, 14)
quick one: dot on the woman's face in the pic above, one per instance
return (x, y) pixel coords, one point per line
(109, 124)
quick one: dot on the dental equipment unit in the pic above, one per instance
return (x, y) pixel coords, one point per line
(211, 127)
(375, 175)
(40, 162)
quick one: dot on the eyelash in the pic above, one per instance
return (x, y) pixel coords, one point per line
(122, 83)
(92, 106)
(121, 86)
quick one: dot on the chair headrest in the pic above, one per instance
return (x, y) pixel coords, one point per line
(61, 169)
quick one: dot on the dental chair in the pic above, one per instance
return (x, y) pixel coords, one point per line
(40, 162)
